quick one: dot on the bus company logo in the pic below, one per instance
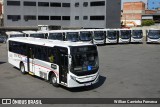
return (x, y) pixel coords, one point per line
(6, 101)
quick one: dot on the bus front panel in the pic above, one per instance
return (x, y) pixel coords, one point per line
(84, 66)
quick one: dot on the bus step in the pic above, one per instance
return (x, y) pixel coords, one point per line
(31, 73)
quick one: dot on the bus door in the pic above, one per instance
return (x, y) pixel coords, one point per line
(30, 59)
(62, 61)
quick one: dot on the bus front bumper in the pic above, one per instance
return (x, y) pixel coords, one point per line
(153, 40)
(111, 41)
(88, 80)
(136, 40)
(99, 42)
(123, 41)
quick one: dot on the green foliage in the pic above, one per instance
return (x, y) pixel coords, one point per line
(147, 22)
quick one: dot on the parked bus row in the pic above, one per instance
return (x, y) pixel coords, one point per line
(95, 36)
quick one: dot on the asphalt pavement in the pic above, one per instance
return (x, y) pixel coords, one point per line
(127, 71)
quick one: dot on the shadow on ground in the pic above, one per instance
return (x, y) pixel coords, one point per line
(2, 63)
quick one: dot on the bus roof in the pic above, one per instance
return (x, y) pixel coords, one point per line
(124, 29)
(29, 32)
(153, 29)
(13, 32)
(46, 42)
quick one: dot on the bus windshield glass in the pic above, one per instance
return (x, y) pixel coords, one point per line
(72, 36)
(137, 34)
(154, 34)
(125, 34)
(84, 59)
(85, 36)
(99, 35)
(17, 35)
(56, 36)
(37, 35)
(112, 35)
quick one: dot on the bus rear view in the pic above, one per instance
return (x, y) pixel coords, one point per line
(124, 36)
(153, 36)
(137, 36)
(111, 36)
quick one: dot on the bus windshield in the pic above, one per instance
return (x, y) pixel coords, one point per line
(72, 36)
(85, 36)
(125, 34)
(56, 36)
(37, 35)
(99, 35)
(112, 35)
(154, 34)
(84, 59)
(137, 34)
(17, 35)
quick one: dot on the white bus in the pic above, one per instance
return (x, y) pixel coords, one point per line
(86, 35)
(153, 36)
(71, 35)
(60, 62)
(99, 36)
(111, 36)
(56, 35)
(124, 35)
(11, 34)
(34, 34)
(137, 36)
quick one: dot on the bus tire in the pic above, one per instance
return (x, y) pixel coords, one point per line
(53, 80)
(22, 68)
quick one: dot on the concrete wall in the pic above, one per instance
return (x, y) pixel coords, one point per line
(35, 10)
(111, 20)
(134, 6)
(113, 14)
(87, 11)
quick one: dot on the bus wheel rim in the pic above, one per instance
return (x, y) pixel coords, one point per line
(22, 68)
(54, 79)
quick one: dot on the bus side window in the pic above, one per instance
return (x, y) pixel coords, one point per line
(51, 55)
(41, 53)
(44, 54)
(24, 48)
(10, 46)
(31, 51)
